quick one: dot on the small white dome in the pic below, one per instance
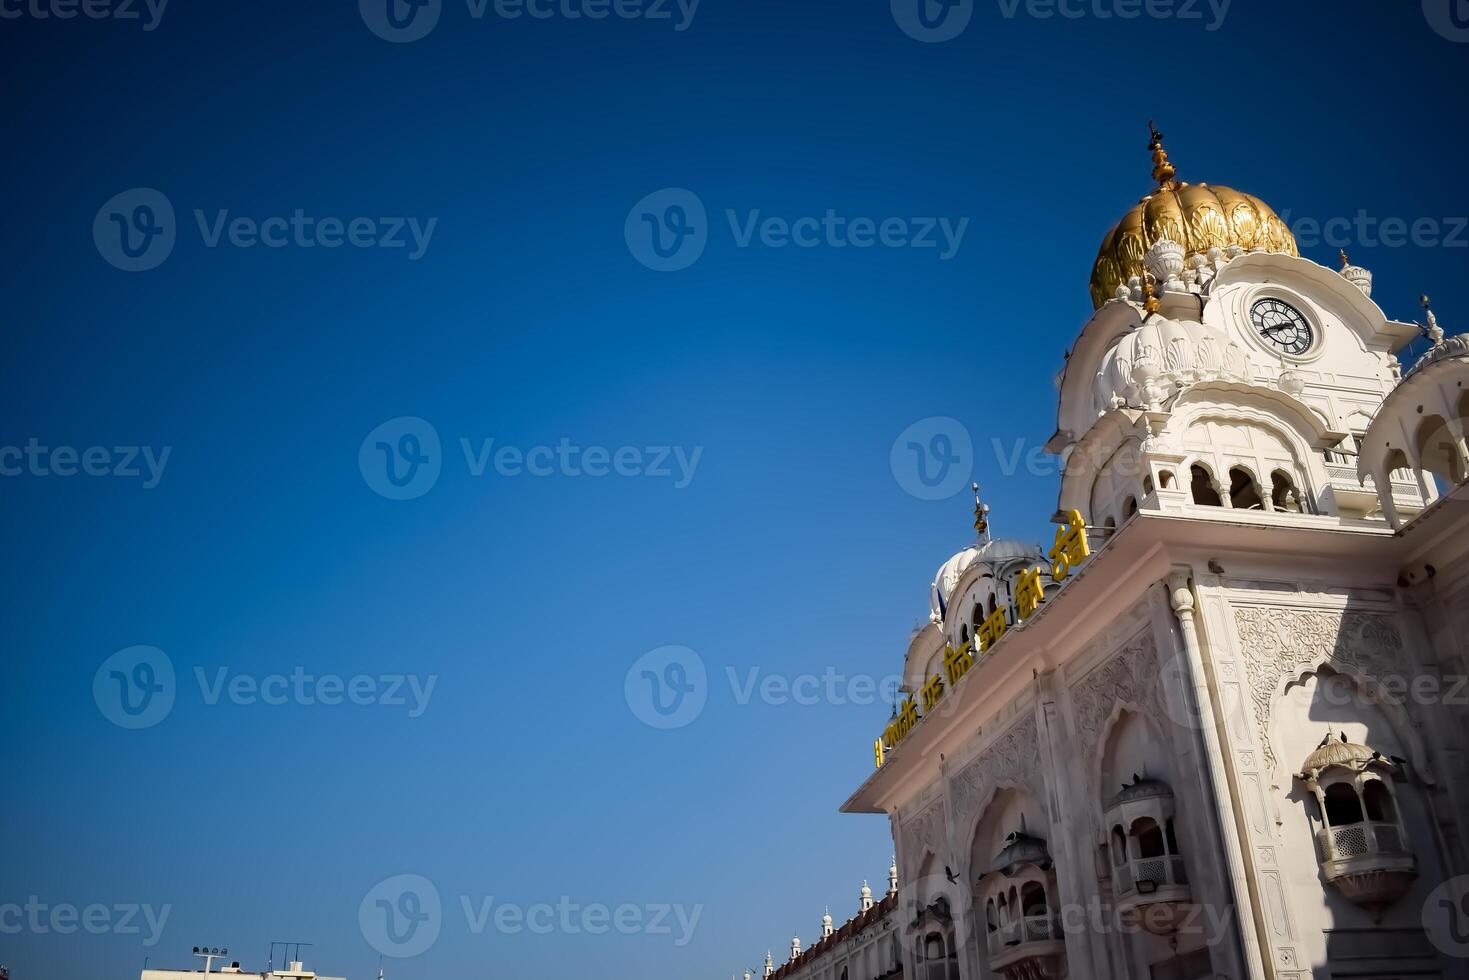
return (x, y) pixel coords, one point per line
(1168, 355)
(995, 554)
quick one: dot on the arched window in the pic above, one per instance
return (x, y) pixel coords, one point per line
(1149, 836)
(1244, 493)
(1033, 899)
(1379, 803)
(1438, 450)
(963, 635)
(1148, 485)
(1342, 806)
(1129, 507)
(1203, 487)
(1283, 493)
(1166, 479)
(992, 606)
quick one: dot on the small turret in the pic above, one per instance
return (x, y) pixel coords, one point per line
(866, 896)
(826, 925)
(893, 877)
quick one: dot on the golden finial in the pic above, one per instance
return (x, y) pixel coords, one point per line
(1151, 303)
(981, 516)
(1163, 170)
(1344, 260)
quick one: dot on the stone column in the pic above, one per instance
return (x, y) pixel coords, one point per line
(1181, 600)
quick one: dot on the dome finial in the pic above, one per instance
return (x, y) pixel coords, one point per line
(1434, 331)
(1163, 170)
(1346, 262)
(981, 517)
(1151, 303)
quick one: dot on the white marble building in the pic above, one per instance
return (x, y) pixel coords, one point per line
(1230, 740)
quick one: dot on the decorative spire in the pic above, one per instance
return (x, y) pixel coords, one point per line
(769, 963)
(981, 517)
(1151, 303)
(1346, 262)
(893, 877)
(866, 896)
(1163, 170)
(1434, 331)
(795, 947)
(826, 926)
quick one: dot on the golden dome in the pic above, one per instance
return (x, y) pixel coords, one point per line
(1197, 216)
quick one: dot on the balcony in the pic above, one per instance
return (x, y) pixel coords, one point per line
(1353, 497)
(1029, 947)
(1152, 891)
(1368, 862)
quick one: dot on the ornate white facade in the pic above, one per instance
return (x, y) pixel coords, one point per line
(1234, 742)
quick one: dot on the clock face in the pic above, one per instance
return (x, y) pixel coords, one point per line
(1282, 325)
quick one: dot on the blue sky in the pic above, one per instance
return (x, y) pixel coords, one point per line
(791, 550)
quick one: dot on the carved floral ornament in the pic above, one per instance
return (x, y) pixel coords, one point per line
(1129, 679)
(1281, 645)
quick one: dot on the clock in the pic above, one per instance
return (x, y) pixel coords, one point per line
(1282, 325)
